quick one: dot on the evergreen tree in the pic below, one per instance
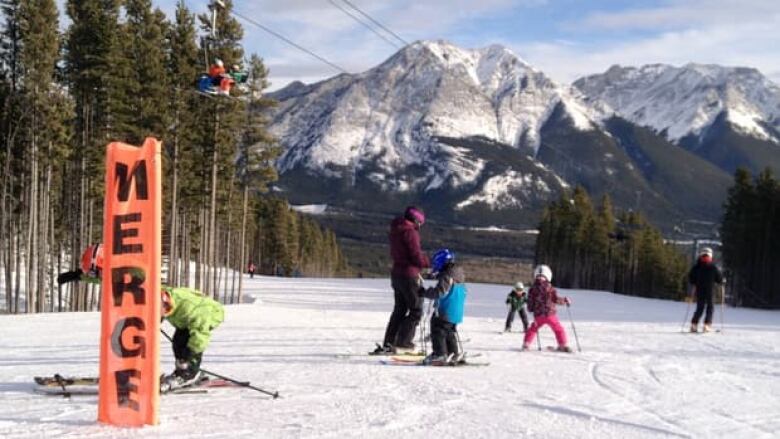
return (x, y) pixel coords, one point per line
(148, 84)
(587, 251)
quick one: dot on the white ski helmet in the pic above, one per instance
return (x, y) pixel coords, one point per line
(219, 62)
(519, 286)
(706, 251)
(543, 270)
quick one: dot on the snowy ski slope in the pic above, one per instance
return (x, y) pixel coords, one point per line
(636, 377)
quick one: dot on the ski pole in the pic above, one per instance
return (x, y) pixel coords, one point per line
(687, 311)
(722, 304)
(577, 339)
(538, 340)
(239, 383)
(424, 325)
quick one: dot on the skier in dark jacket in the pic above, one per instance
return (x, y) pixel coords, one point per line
(450, 295)
(408, 261)
(703, 277)
(516, 301)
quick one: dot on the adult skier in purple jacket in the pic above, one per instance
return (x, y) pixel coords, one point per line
(408, 261)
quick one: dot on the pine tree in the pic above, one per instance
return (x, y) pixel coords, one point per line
(98, 74)
(38, 25)
(148, 85)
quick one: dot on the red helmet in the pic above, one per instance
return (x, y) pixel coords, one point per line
(92, 260)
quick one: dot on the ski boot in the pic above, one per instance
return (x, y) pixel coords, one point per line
(564, 349)
(525, 348)
(435, 360)
(694, 327)
(459, 358)
(707, 327)
(177, 380)
(386, 349)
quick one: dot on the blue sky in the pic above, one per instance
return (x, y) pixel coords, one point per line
(564, 38)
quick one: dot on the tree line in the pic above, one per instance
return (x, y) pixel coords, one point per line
(592, 247)
(751, 239)
(123, 71)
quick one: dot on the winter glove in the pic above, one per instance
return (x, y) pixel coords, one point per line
(69, 276)
(421, 292)
(566, 301)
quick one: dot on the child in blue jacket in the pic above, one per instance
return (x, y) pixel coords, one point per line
(450, 296)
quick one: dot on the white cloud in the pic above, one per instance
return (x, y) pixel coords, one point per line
(327, 31)
(676, 14)
(727, 32)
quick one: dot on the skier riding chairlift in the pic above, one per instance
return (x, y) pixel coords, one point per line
(217, 81)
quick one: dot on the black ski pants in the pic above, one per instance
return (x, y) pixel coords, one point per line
(182, 352)
(703, 300)
(407, 312)
(511, 317)
(444, 337)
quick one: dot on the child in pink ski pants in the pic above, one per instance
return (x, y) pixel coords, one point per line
(542, 299)
(555, 325)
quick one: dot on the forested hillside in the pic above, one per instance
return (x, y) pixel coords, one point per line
(123, 71)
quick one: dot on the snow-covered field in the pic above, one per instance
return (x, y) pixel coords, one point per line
(637, 375)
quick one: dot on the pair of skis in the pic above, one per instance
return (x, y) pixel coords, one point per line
(58, 385)
(418, 360)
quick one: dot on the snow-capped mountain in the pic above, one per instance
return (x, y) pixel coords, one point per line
(389, 125)
(687, 101)
(481, 137)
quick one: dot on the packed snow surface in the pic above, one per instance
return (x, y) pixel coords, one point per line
(637, 376)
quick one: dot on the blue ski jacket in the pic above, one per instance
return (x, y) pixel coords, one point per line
(450, 294)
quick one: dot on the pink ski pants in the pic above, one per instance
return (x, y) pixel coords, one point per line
(555, 325)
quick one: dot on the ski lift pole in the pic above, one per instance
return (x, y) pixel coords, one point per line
(214, 6)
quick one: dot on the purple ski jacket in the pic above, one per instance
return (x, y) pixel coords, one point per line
(542, 299)
(408, 258)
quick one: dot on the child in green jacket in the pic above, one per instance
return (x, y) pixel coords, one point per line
(516, 301)
(194, 316)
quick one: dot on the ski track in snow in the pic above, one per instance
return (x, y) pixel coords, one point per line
(637, 376)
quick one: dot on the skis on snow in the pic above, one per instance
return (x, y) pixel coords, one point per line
(416, 360)
(58, 385)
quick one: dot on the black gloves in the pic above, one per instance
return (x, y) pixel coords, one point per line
(69, 276)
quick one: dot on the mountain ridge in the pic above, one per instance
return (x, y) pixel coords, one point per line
(480, 133)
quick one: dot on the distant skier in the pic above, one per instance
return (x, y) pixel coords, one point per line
(703, 277)
(251, 270)
(516, 301)
(194, 316)
(450, 295)
(542, 299)
(408, 261)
